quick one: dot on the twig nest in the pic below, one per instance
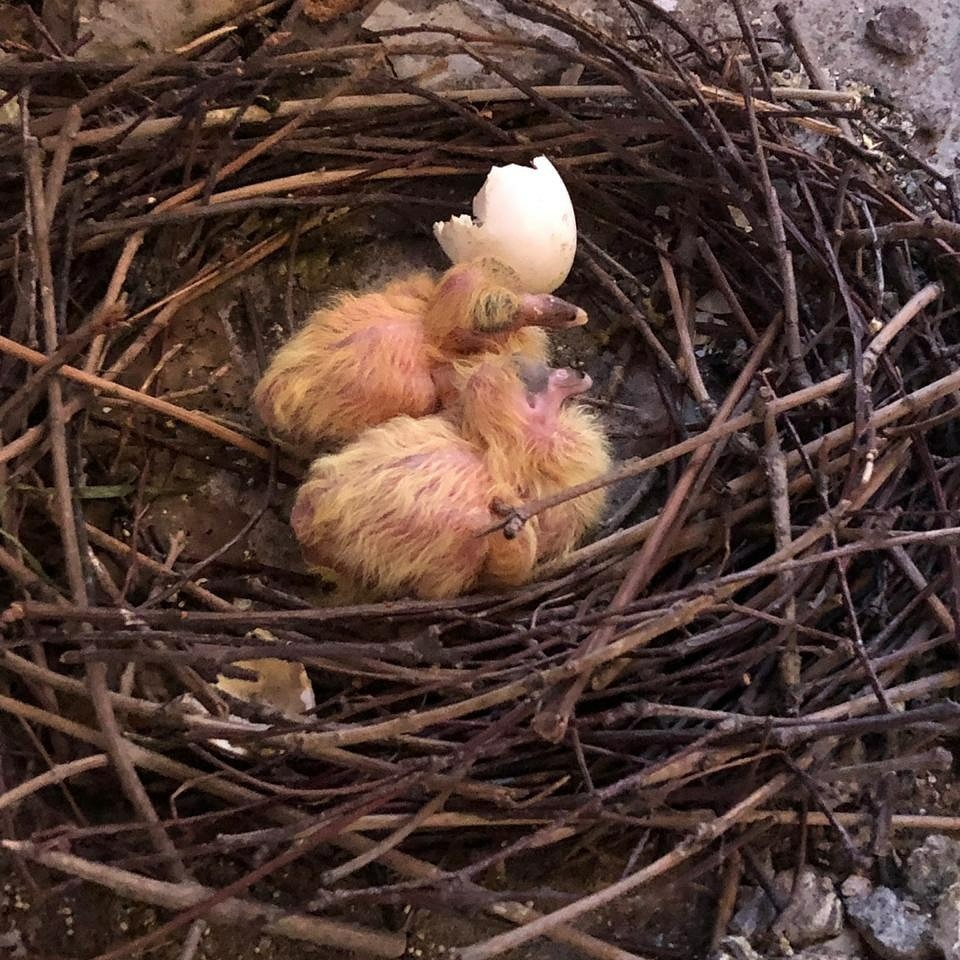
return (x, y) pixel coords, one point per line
(522, 217)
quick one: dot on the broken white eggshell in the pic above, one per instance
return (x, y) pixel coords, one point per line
(282, 686)
(522, 217)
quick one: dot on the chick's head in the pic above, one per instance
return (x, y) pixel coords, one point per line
(514, 402)
(481, 300)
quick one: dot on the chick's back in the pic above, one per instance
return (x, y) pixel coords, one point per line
(581, 454)
(400, 509)
(354, 364)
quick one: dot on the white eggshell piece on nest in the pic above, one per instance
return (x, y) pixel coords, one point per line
(522, 217)
(281, 685)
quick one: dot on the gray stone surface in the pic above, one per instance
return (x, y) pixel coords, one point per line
(898, 29)
(845, 946)
(469, 16)
(737, 948)
(925, 86)
(754, 914)
(933, 867)
(126, 29)
(814, 912)
(856, 886)
(946, 929)
(893, 929)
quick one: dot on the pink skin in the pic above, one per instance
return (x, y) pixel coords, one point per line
(565, 383)
(548, 388)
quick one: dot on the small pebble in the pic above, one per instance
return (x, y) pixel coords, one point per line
(898, 29)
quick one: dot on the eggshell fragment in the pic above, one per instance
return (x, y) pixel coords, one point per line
(522, 217)
(281, 686)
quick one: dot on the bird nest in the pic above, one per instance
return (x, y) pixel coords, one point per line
(762, 634)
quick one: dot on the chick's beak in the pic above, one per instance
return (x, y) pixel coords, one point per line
(545, 310)
(570, 383)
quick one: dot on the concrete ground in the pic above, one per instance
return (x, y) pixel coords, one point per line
(927, 85)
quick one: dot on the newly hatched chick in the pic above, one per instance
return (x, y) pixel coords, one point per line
(538, 445)
(375, 356)
(401, 509)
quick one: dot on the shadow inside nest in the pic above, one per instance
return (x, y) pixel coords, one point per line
(771, 598)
